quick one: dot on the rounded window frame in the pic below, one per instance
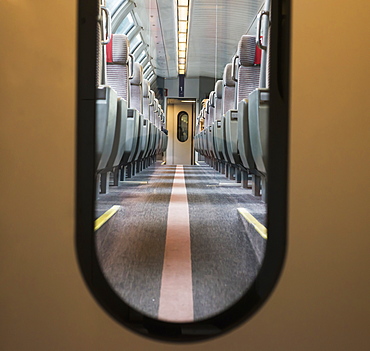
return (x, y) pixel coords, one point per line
(272, 265)
(179, 116)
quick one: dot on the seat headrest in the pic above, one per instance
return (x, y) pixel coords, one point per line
(146, 88)
(218, 89)
(247, 50)
(118, 49)
(227, 80)
(137, 79)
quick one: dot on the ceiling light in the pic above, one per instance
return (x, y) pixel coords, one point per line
(183, 26)
(183, 13)
(182, 46)
(182, 37)
(182, 34)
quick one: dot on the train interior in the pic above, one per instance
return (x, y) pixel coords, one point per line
(321, 300)
(181, 164)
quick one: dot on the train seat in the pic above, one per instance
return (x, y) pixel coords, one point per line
(211, 113)
(156, 122)
(137, 99)
(197, 131)
(106, 111)
(165, 136)
(106, 115)
(202, 143)
(216, 130)
(258, 113)
(159, 121)
(228, 103)
(248, 80)
(258, 110)
(117, 52)
(146, 113)
(206, 148)
(154, 128)
(134, 115)
(231, 116)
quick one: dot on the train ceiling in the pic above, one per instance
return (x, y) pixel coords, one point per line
(215, 28)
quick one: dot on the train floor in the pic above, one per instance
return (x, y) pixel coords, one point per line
(177, 248)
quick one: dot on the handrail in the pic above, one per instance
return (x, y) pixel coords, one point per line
(131, 65)
(233, 68)
(108, 26)
(259, 28)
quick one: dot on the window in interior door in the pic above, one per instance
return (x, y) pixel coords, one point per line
(182, 126)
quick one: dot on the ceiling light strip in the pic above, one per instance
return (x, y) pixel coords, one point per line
(182, 34)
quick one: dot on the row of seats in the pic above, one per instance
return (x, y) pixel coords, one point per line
(129, 119)
(232, 127)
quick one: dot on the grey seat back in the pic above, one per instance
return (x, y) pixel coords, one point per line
(136, 88)
(211, 107)
(228, 95)
(156, 112)
(211, 114)
(216, 131)
(218, 100)
(146, 98)
(106, 109)
(248, 80)
(151, 106)
(154, 129)
(258, 107)
(117, 65)
(206, 114)
(248, 71)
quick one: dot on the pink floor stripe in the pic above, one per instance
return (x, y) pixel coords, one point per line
(176, 296)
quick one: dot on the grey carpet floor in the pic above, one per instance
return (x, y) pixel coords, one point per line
(223, 261)
(131, 244)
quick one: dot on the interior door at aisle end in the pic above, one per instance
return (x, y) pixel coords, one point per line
(180, 116)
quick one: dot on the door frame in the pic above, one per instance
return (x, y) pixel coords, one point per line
(193, 119)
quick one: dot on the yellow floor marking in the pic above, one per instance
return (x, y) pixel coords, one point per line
(104, 217)
(257, 225)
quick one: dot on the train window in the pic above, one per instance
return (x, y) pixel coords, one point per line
(113, 5)
(126, 25)
(151, 76)
(135, 42)
(141, 57)
(146, 67)
(135, 225)
(182, 126)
